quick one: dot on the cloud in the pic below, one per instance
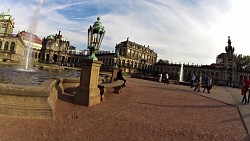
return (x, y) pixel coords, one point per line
(63, 7)
(178, 30)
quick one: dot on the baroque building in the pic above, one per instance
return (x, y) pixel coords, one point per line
(55, 49)
(33, 41)
(223, 71)
(11, 46)
(134, 56)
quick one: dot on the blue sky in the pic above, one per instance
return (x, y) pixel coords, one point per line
(193, 31)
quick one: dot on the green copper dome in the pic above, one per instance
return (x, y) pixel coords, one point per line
(53, 37)
(97, 27)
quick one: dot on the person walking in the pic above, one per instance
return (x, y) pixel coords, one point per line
(198, 85)
(120, 77)
(248, 91)
(193, 78)
(166, 79)
(160, 77)
(245, 89)
(205, 83)
(209, 83)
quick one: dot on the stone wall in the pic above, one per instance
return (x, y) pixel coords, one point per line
(24, 101)
(29, 101)
(34, 101)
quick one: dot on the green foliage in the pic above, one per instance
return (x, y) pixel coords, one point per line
(243, 63)
(162, 62)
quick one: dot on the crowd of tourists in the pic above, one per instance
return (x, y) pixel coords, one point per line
(196, 82)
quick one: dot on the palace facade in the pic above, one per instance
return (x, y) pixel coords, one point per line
(11, 46)
(223, 71)
(134, 56)
(33, 41)
(55, 49)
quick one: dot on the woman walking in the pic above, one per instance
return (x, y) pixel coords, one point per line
(245, 89)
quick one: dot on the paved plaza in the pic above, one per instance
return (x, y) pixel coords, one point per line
(144, 110)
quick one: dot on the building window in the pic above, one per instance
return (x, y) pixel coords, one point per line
(48, 45)
(3, 29)
(6, 45)
(12, 46)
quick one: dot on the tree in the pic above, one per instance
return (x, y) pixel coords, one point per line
(243, 63)
(162, 62)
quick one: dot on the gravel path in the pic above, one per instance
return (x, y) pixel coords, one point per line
(143, 111)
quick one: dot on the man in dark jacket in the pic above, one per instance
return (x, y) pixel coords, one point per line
(120, 77)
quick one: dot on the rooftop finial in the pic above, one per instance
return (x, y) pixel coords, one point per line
(229, 40)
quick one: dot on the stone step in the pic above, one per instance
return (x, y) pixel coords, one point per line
(11, 99)
(27, 104)
(26, 111)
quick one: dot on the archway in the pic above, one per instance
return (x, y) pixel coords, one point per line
(6, 45)
(55, 58)
(63, 59)
(0, 44)
(47, 58)
(12, 47)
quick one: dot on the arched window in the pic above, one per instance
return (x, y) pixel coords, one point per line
(110, 62)
(6, 45)
(12, 47)
(0, 44)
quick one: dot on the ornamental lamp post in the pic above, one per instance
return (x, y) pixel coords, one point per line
(89, 93)
(95, 36)
(116, 57)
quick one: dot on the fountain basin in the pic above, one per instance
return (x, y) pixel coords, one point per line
(27, 101)
(37, 101)
(36, 76)
(33, 102)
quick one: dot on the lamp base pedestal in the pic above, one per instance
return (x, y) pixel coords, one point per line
(90, 93)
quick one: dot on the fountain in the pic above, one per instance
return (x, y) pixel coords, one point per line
(181, 74)
(31, 31)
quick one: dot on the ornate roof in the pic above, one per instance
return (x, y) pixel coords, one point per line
(25, 36)
(5, 15)
(55, 36)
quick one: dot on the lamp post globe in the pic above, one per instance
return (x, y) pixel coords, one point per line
(95, 37)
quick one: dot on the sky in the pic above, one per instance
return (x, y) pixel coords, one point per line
(180, 31)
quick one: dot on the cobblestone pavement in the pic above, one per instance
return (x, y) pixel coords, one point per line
(144, 110)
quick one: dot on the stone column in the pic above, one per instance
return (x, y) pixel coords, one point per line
(114, 74)
(89, 92)
(3, 43)
(9, 46)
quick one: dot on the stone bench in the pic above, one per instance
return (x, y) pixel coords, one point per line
(117, 85)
